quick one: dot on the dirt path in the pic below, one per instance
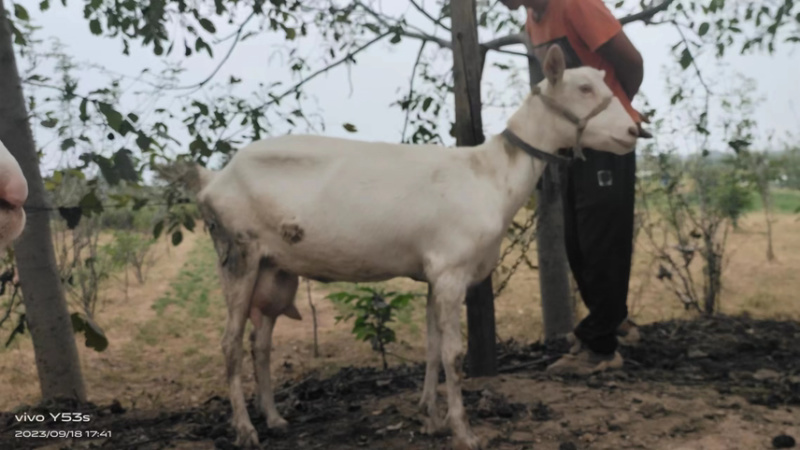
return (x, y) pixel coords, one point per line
(120, 314)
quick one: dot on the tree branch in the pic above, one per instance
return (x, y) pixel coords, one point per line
(436, 21)
(345, 58)
(694, 62)
(236, 40)
(646, 14)
(411, 90)
(415, 35)
(504, 41)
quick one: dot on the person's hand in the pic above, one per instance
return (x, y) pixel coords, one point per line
(644, 134)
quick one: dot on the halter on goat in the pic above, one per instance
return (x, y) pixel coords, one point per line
(580, 124)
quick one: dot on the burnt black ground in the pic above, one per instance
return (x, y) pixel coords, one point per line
(757, 359)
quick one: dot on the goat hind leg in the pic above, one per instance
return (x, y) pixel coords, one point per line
(274, 294)
(262, 349)
(238, 300)
(432, 423)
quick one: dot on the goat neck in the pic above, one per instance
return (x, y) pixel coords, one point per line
(517, 171)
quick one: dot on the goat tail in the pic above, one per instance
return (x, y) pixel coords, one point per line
(187, 174)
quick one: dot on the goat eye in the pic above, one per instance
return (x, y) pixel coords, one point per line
(586, 89)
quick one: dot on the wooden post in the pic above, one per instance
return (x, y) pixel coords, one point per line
(554, 287)
(467, 68)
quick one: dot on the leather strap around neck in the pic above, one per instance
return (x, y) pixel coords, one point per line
(531, 150)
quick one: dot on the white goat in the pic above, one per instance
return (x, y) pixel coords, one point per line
(337, 209)
(13, 194)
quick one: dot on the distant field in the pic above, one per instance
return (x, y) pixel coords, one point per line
(783, 201)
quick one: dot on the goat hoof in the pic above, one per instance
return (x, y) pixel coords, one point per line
(247, 437)
(277, 423)
(433, 426)
(468, 442)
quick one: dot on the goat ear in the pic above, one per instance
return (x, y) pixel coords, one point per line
(554, 65)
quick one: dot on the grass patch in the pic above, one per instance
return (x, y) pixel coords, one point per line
(192, 287)
(786, 201)
(187, 303)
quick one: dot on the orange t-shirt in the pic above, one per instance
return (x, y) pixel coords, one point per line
(579, 27)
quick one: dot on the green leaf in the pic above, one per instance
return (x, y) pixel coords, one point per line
(207, 25)
(20, 12)
(94, 27)
(133, 117)
(201, 106)
(90, 204)
(143, 141)
(395, 39)
(44, 5)
(350, 127)
(107, 169)
(19, 39)
(427, 103)
(84, 117)
(200, 44)
(177, 237)
(95, 337)
(113, 117)
(139, 203)
(703, 28)
(290, 33)
(50, 122)
(158, 228)
(686, 58)
(739, 144)
(123, 165)
(72, 215)
(67, 144)
(188, 222)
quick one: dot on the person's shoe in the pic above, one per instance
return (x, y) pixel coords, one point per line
(628, 333)
(575, 344)
(585, 362)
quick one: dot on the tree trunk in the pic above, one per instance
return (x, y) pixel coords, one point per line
(557, 305)
(45, 308)
(467, 68)
(766, 200)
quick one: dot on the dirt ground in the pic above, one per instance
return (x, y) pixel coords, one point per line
(722, 383)
(732, 382)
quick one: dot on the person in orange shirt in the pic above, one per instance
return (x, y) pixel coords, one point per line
(598, 193)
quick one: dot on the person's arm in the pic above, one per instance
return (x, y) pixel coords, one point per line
(626, 60)
(594, 23)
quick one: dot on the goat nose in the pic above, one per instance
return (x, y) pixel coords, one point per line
(633, 131)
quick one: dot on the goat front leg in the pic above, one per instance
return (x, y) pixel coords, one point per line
(262, 347)
(237, 293)
(449, 293)
(432, 423)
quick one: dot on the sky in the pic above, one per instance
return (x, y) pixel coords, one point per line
(382, 74)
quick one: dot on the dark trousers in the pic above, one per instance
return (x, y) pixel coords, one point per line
(598, 196)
